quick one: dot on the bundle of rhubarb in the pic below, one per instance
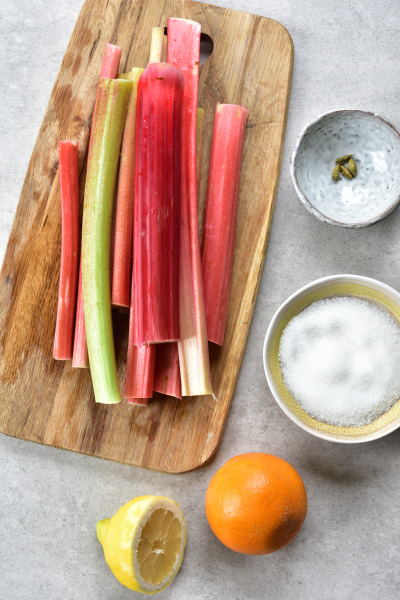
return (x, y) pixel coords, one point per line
(144, 252)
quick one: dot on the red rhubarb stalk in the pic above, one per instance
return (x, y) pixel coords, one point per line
(123, 216)
(199, 141)
(139, 371)
(167, 377)
(69, 184)
(157, 205)
(80, 358)
(111, 60)
(220, 218)
(184, 52)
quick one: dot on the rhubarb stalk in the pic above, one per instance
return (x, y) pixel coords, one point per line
(157, 205)
(167, 377)
(139, 372)
(69, 186)
(157, 45)
(109, 69)
(184, 52)
(107, 128)
(80, 358)
(123, 214)
(199, 143)
(111, 60)
(220, 217)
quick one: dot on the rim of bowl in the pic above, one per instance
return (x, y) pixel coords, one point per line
(367, 281)
(307, 203)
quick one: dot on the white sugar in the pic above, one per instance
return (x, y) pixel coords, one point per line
(340, 358)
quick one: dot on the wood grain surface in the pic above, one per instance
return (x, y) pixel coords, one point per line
(49, 402)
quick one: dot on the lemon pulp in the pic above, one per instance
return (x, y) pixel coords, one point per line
(159, 546)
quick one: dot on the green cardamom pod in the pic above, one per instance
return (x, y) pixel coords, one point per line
(336, 173)
(352, 167)
(343, 159)
(345, 172)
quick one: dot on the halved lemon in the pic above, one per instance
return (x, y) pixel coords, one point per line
(144, 543)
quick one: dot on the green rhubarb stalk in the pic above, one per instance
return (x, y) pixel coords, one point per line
(105, 142)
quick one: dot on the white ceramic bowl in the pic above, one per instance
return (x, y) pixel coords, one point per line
(354, 285)
(373, 193)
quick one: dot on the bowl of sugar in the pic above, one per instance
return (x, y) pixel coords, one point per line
(345, 168)
(332, 358)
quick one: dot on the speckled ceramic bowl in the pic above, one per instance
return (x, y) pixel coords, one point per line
(375, 145)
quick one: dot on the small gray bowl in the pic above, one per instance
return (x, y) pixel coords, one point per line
(375, 146)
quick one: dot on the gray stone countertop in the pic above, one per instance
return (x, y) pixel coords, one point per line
(346, 56)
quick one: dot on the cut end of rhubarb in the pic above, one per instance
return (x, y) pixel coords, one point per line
(61, 357)
(135, 74)
(76, 364)
(240, 112)
(139, 374)
(119, 302)
(111, 60)
(187, 22)
(156, 45)
(67, 143)
(183, 42)
(137, 401)
(167, 378)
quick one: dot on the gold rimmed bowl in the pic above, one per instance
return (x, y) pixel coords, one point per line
(328, 287)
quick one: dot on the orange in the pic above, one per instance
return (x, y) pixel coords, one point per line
(256, 503)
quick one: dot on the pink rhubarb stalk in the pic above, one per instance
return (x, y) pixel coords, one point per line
(111, 60)
(167, 377)
(220, 219)
(123, 214)
(139, 371)
(199, 142)
(157, 205)
(69, 184)
(80, 358)
(140, 360)
(184, 52)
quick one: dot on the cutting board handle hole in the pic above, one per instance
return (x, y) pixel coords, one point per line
(206, 46)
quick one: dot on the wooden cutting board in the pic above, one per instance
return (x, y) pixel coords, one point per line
(47, 401)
